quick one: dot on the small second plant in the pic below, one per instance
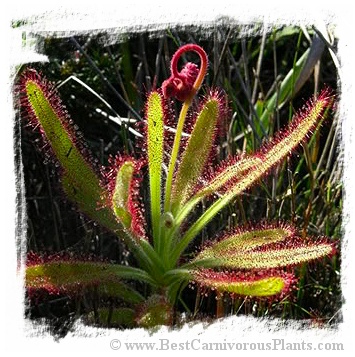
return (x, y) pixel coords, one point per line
(251, 261)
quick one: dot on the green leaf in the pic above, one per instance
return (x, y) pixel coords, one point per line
(71, 276)
(79, 179)
(246, 240)
(121, 193)
(267, 258)
(155, 142)
(244, 284)
(230, 173)
(197, 152)
(87, 197)
(262, 287)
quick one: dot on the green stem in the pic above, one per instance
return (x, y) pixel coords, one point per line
(174, 154)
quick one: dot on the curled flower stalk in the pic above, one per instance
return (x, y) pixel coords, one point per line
(256, 260)
(183, 85)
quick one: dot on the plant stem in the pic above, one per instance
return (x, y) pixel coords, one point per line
(174, 154)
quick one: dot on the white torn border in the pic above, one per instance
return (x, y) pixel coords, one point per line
(62, 17)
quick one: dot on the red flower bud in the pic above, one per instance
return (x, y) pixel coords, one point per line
(184, 84)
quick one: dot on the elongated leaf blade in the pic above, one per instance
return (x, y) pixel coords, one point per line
(269, 258)
(197, 152)
(155, 146)
(245, 240)
(121, 193)
(88, 199)
(243, 284)
(80, 181)
(231, 172)
(70, 277)
(282, 145)
(123, 186)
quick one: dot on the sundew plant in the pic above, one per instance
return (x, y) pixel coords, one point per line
(160, 201)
